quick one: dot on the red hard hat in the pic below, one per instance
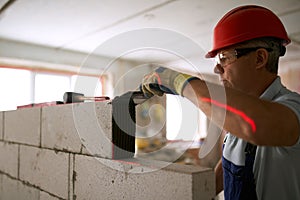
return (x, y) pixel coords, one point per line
(245, 23)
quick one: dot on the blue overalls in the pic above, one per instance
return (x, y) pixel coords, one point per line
(239, 181)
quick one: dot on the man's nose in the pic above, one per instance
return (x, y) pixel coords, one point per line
(218, 69)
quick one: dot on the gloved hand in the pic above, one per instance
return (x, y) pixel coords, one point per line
(164, 80)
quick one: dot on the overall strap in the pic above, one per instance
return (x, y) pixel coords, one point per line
(249, 189)
(239, 181)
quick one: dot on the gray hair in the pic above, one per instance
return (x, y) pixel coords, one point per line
(269, 42)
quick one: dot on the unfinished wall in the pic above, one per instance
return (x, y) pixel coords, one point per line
(63, 152)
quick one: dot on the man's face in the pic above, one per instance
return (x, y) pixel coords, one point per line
(236, 71)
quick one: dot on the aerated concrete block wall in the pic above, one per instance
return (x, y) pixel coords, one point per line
(64, 152)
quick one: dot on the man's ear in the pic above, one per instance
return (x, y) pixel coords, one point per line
(262, 57)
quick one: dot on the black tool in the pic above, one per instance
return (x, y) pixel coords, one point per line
(138, 97)
(124, 123)
(73, 97)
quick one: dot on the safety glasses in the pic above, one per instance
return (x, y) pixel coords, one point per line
(228, 57)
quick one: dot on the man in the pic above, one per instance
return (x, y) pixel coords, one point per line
(261, 154)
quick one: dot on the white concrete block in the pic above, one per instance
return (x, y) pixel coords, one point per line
(68, 127)
(23, 126)
(71, 127)
(58, 128)
(1, 184)
(12, 189)
(46, 196)
(45, 169)
(1, 125)
(99, 179)
(94, 125)
(9, 158)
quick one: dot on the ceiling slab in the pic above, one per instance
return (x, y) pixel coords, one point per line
(86, 26)
(57, 22)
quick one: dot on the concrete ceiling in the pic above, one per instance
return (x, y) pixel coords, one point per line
(142, 30)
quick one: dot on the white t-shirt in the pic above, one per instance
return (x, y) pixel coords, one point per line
(276, 169)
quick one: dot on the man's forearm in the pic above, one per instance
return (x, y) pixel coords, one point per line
(245, 116)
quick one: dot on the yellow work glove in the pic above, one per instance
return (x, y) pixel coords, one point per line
(164, 80)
